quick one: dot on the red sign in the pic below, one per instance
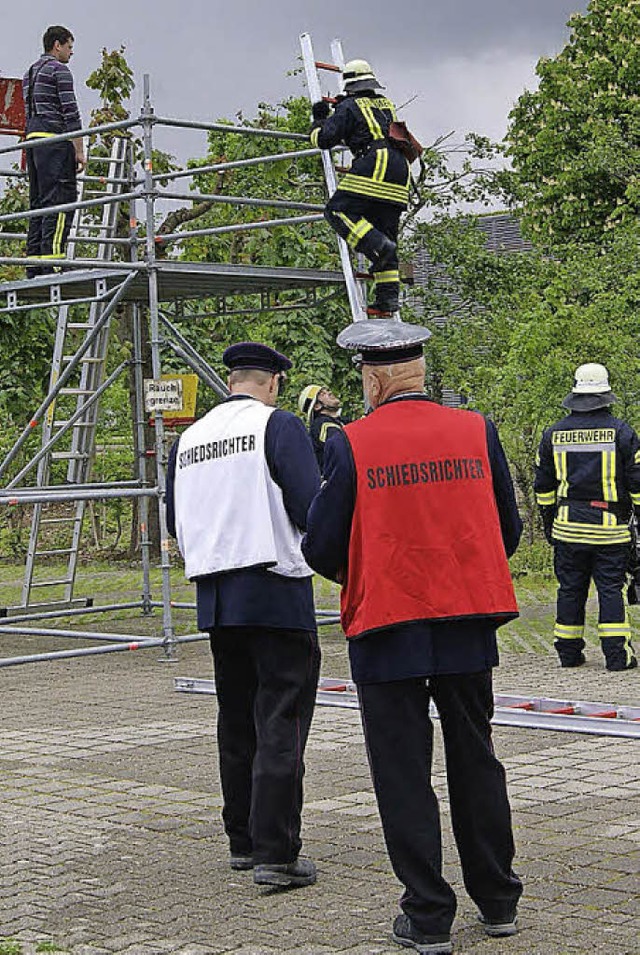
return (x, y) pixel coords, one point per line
(12, 116)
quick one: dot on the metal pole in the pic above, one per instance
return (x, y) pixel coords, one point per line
(64, 377)
(26, 496)
(211, 377)
(65, 137)
(241, 201)
(94, 651)
(236, 164)
(149, 194)
(239, 227)
(224, 128)
(65, 207)
(315, 95)
(145, 542)
(67, 612)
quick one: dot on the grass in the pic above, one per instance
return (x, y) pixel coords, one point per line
(108, 583)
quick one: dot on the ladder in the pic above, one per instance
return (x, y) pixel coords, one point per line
(356, 290)
(529, 712)
(56, 528)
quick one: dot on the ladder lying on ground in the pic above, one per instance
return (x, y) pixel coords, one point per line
(71, 420)
(598, 719)
(356, 289)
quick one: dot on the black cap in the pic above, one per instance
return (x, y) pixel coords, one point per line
(255, 355)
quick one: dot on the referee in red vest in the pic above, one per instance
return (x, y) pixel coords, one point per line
(416, 519)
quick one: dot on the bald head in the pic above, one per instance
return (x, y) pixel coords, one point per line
(382, 382)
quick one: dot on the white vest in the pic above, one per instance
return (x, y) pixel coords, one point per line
(229, 511)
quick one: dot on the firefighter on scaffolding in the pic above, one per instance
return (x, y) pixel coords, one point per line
(587, 482)
(365, 209)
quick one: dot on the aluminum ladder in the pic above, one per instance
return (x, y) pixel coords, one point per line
(56, 528)
(356, 289)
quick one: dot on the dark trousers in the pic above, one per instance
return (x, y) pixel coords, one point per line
(345, 213)
(52, 181)
(575, 566)
(399, 738)
(266, 682)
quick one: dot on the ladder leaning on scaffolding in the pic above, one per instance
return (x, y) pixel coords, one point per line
(71, 421)
(356, 290)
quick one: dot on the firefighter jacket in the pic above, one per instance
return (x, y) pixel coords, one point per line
(588, 472)
(425, 540)
(229, 512)
(379, 170)
(319, 431)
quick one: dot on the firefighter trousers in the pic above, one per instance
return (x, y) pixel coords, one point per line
(266, 682)
(575, 566)
(399, 740)
(52, 181)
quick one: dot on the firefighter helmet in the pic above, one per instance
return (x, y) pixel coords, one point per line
(357, 75)
(591, 379)
(591, 389)
(307, 400)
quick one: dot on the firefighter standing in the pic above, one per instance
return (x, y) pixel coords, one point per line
(322, 410)
(365, 209)
(415, 518)
(51, 109)
(587, 481)
(239, 484)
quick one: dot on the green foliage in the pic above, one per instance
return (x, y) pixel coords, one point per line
(9, 946)
(575, 142)
(528, 322)
(113, 80)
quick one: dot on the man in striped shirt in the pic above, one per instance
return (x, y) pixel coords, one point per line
(51, 109)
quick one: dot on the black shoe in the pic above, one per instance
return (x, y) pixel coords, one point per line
(291, 875)
(241, 863)
(618, 667)
(33, 271)
(573, 661)
(499, 928)
(405, 933)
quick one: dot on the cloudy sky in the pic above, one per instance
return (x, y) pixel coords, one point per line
(464, 62)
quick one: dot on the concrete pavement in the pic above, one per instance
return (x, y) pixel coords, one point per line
(111, 839)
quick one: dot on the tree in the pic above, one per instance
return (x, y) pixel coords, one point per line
(575, 142)
(526, 322)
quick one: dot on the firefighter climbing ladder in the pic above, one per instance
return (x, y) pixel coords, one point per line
(355, 289)
(70, 422)
(597, 719)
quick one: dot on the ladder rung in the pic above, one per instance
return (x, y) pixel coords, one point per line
(76, 424)
(51, 553)
(51, 583)
(57, 520)
(328, 66)
(76, 391)
(79, 325)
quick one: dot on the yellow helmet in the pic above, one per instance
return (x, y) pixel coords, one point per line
(307, 400)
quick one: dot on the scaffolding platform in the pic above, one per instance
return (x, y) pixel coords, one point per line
(177, 281)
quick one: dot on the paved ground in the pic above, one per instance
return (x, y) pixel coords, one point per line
(111, 840)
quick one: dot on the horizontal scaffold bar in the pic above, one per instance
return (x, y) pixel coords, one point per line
(225, 128)
(236, 164)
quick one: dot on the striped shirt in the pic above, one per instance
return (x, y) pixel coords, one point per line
(53, 99)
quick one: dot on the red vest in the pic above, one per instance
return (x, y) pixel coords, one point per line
(425, 536)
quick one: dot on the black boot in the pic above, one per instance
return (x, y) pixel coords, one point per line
(380, 250)
(618, 653)
(570, 652)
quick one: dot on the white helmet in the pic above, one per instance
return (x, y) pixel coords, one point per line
(307, 400)
(591, 379)
(357, 75)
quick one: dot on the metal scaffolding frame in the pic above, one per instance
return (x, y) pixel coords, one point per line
(146, 281)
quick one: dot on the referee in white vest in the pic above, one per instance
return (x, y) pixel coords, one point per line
(239, 485)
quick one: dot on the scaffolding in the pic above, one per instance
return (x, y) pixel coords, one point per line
(67, 417)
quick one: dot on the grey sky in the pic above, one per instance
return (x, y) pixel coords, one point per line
(465, 62)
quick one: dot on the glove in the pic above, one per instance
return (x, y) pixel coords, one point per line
(320, 111)
(547, 515)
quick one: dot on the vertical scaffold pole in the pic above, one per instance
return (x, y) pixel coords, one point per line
(149, 193)
(315, 94)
